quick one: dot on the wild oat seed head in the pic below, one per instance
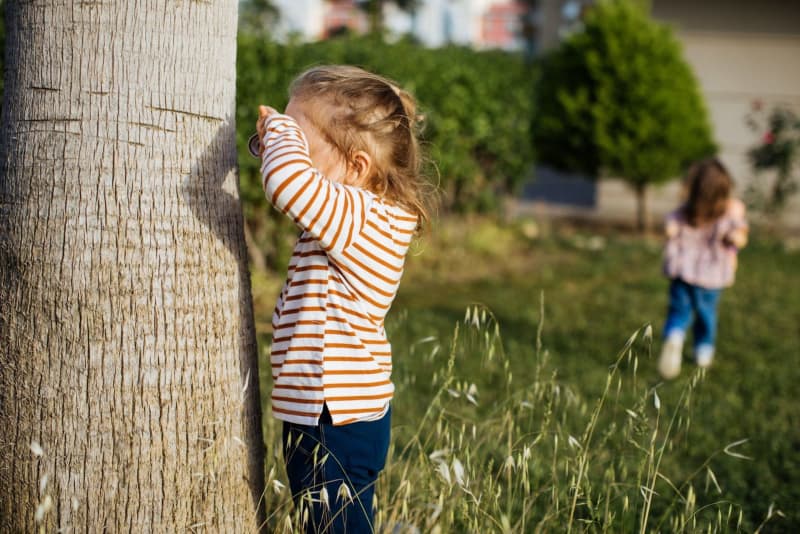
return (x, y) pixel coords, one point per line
(344, 493)
(526, 453)
(458, 471)
(437, 454)
(444, 472)
(509, 463)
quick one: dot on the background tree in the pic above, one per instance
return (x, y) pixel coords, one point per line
(129, 390)
(617, 99)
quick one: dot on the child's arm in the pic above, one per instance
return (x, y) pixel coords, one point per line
(737, 236)
(672, 226)
(331, 212)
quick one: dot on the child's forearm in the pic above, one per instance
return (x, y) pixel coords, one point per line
(671, 228)
(738, 237)
(285, 160)
(326, 210)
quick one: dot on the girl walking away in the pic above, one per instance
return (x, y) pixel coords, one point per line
(343, 163)
(703, 238)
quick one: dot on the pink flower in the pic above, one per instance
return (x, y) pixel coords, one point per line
(757, 104)
(769, 138)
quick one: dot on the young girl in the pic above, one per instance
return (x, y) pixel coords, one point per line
(703, 237)
(343, 162)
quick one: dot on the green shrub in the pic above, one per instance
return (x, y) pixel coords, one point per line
(778, 151)
(618, 99)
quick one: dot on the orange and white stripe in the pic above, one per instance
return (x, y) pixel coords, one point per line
(329, 344)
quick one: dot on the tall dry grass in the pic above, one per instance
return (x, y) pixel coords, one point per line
(534, 456)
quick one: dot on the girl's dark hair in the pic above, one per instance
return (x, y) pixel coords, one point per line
(709, 187)
(359, 110)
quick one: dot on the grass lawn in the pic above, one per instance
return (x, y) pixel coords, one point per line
(606, 445)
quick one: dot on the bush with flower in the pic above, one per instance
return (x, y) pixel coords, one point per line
(778, 151)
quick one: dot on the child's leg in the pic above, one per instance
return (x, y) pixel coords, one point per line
(705, 326)
(679, 313)
(356, 454)
(302, 455)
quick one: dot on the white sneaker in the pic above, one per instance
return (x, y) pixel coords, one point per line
(704, 356)
(669, 364)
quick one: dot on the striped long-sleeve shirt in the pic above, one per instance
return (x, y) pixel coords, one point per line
(329, 344)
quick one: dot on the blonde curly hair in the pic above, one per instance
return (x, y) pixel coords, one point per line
(357, 110)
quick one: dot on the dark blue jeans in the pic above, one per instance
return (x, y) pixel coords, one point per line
(327, 456)
(685, 300)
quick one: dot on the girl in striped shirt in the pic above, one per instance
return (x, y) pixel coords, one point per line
(343, 162)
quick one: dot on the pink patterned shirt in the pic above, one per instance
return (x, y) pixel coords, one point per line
(703, 256)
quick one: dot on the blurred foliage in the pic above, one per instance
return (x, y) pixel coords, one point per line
(476, 108)
(618, 99)
(778, 151)
(258, 17)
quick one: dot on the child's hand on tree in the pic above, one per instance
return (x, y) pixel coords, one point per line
(264, 113)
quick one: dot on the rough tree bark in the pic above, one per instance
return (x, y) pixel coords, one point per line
(127, 347)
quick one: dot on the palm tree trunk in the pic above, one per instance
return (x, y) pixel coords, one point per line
(129, 397)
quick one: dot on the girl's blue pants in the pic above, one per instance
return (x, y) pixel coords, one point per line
(686, 300)
(345, 461)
